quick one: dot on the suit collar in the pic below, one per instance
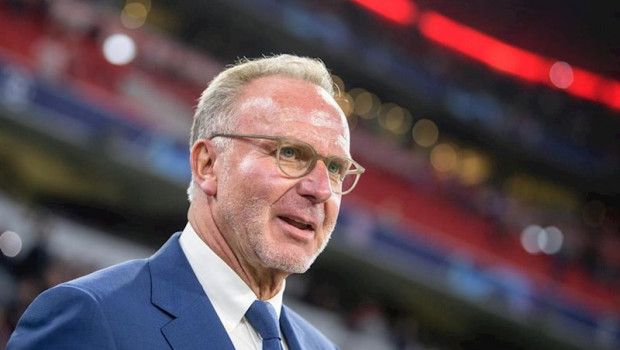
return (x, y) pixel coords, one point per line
(176, 291)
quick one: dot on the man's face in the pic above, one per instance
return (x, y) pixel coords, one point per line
(271, 220)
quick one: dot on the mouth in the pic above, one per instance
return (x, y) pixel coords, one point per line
(300, 224)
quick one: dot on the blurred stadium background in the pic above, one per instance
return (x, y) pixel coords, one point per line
(490, 211)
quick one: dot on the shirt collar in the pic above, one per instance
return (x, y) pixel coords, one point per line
(228, 293)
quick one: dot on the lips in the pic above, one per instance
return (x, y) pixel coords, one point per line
(300, 224)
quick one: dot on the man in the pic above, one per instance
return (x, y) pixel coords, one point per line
(270, 162)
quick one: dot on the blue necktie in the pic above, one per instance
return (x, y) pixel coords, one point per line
(263, 318)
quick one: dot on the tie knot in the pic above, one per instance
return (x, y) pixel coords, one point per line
(262, 316)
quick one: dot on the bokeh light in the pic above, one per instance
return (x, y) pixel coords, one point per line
(395, 118)
(339, 84)
(345, 101)
(444, 157)
(550, 240)
(536, 239)
(425, 133)
(10, 244)
(529, 239)
(561, 75)
(134, 14)
(119, 49)
(473, 167)
(366, 104)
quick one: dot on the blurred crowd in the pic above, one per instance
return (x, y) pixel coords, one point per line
(591, 240)
(31, 272)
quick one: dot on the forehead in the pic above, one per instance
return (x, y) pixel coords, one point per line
(278, 105)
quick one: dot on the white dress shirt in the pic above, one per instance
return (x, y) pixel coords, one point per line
(230, 295)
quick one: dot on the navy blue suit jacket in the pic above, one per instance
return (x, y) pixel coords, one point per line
(154, 303)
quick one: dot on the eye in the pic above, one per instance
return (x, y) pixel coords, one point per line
(297, 152)
(289, 153)
(338, 166)
(334, 168)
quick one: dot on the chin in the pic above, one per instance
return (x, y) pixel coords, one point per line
(291, 263)
(291, 257)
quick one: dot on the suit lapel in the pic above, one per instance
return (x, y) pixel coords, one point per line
(195, 330)
(290, 332)
(176, 291)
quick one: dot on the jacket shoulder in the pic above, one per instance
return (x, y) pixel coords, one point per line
(63, 317)
(115, 280)
(308, 334)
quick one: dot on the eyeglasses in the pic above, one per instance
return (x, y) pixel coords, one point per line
(296, 159)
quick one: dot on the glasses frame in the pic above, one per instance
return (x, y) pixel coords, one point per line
(358, 171)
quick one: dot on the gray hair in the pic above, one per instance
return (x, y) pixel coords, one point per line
(215, 110)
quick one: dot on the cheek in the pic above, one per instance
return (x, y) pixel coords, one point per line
(263, 175)
(332, 208)
(258, 181)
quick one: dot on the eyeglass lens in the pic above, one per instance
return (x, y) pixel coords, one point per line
(296, 159)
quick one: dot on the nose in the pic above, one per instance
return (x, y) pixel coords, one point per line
(316, 184)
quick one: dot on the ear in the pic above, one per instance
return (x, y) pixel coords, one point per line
(202, 161)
